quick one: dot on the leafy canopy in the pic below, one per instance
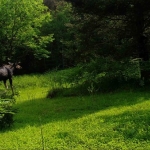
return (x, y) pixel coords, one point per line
(20, 28)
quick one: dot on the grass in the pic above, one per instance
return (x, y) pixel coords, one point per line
(108, 121)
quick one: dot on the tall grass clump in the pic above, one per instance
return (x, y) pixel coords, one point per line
(64, 82)
(29, 81)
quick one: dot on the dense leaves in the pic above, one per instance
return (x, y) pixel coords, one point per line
(21, 23)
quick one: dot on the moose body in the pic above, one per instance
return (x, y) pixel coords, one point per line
(6, 72)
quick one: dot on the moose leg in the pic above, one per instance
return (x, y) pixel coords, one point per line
(10, 81)
(6, 87)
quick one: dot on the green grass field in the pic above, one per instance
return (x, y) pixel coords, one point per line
(109, 121)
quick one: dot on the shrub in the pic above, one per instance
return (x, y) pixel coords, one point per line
(99, 75)
(104, 74)
(6, 113)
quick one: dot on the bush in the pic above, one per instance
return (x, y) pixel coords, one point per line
(104, 74)
(99, 75)
(6, 113)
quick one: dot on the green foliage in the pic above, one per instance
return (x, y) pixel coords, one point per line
(102, 75)
(61, 16)
(21, 23)
(6, 113)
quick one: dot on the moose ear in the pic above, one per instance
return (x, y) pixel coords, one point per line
(8, 59)
(17, 63)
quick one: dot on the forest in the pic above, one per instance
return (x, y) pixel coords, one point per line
(85, 77)
(58, 34)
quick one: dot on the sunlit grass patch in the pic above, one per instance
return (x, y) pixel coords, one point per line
(110, 121)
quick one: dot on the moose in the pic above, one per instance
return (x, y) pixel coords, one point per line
(6, 72)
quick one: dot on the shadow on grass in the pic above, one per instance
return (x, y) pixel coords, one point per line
(38, 112)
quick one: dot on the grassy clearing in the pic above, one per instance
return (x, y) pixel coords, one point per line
(110, 121)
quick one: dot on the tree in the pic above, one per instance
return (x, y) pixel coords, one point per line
(61, 16)
(134, 14)
(20, 28)
(122, 25)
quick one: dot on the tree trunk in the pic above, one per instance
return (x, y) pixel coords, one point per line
(143, 53)
(141, 39)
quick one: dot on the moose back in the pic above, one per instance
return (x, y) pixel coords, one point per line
(6, 72)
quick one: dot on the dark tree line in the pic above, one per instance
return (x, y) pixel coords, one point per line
(119, 29)
(130, 18)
